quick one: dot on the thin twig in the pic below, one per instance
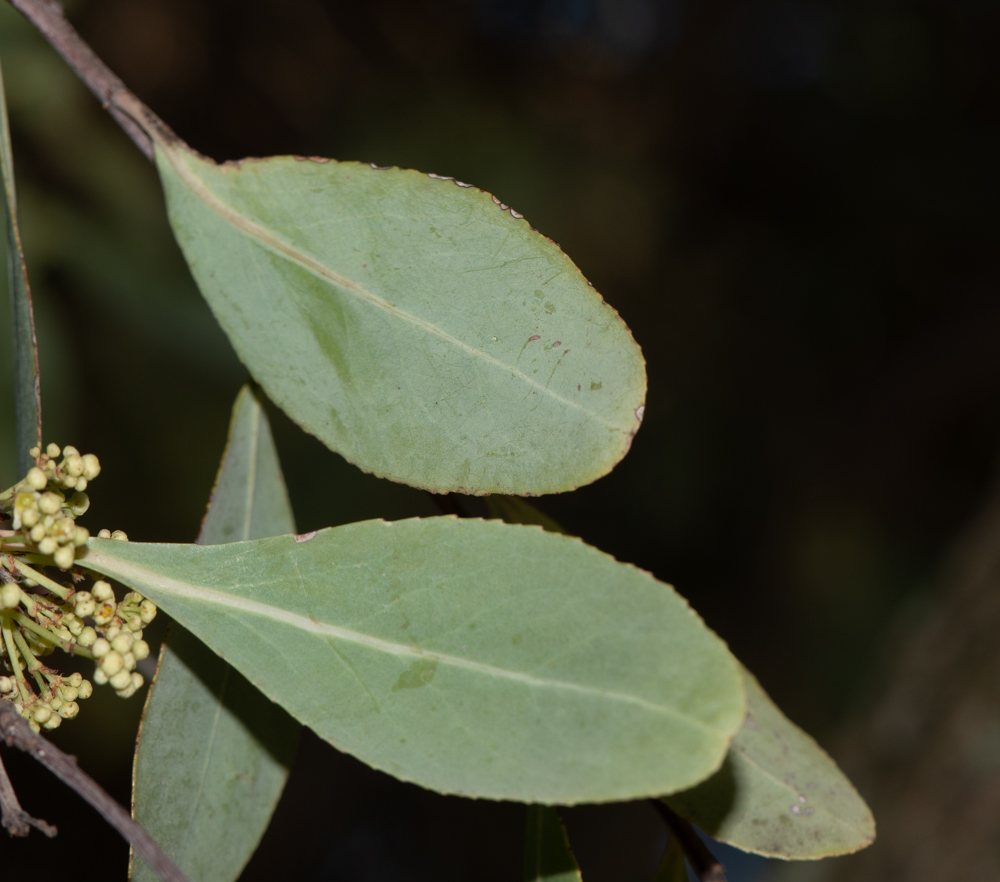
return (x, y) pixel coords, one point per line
(15, 819)
(16, 732)
(705, 865)
(138, 121)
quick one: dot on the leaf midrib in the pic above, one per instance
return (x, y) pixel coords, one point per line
(126, 570)
(275, 244)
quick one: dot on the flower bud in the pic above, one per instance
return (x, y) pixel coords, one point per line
(134, 623)
(53, 450)
(147, 611)
(29, 517)
(103, 534)
(73, 464)
(129, 661)
(127, 692)
(6, 685)
(100, 648)
(69, 710)
(79, 503)
(50, 503)
(112, 631)
(36, 478)
(112, 663)
(100, 678)
(41, 713)
(120, 535)
(10, 596)
(121, 680)
(55, 704)
(91, 466)
(64, 557)
(37, 533)
(81, 483)
(47, 546)
(137, 680)
(102, 590)
(69, 482)
(84, 608)
(123, 642)
(80, 536)
(68, 693)
(140, 649)
(87, 637)
(35, 452)
(52, 722)
(74, 679)
(85, 689)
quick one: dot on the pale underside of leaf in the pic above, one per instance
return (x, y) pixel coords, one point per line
(414, 326)
(213, 753)
(27, 389)
(778, 793)
(471, 657)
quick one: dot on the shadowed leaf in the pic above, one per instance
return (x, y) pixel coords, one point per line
(672, 867)
(213, 753)
(515, 510)
(27, 389)
(547, 855)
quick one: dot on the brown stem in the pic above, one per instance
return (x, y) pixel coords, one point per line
(139, 122)
(702, 861)
(16, 732)
(14, 819)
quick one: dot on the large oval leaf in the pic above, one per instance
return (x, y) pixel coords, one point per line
(213, 753)
(472, 657)
(778, 793)
(415, 325)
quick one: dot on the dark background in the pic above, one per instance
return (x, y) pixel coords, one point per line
(792, 204)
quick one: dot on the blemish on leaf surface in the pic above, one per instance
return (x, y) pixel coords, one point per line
(419, 673)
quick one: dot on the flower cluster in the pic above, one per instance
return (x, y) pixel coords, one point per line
(39, 614)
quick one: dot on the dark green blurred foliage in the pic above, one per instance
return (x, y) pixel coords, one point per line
(792, 204)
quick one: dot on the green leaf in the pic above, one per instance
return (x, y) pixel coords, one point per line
(415, 325)
(213, 753)
(547, 855)
(471, 657)
(778, 793)
(27, 389)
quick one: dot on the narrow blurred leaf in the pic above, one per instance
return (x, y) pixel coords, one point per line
(515, 510)
(452, 652)
(547, 855)
(415, 325)
(213, 753)
(27, 389)
(673, 867)
(778, 793)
